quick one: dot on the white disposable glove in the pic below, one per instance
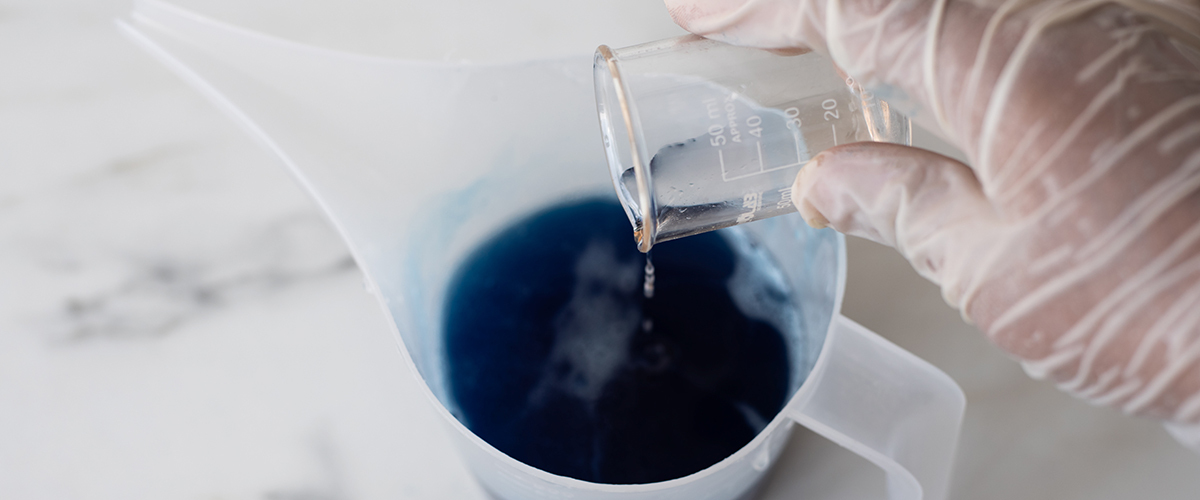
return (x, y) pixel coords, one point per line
(1074, 240)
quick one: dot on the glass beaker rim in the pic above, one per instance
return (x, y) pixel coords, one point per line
(646, 229)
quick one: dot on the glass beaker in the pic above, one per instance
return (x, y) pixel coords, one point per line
(702, 135)
(418, 163)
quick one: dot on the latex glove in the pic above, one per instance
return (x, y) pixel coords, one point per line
(1074, 240)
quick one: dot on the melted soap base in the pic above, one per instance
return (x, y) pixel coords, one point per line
(558, 356)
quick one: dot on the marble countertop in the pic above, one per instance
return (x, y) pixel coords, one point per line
(178, 320)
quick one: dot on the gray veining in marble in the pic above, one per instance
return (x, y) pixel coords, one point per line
(177, 320)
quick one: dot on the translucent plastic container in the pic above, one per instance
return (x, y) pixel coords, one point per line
(363, 133)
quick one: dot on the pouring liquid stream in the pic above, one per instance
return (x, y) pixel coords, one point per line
(648, 293)
(648, 278)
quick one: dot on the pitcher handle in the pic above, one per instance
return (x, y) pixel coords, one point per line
(887, 405)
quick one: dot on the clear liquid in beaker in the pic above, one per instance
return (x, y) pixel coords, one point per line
(728, 159)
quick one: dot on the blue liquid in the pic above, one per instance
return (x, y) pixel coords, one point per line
(556, 357)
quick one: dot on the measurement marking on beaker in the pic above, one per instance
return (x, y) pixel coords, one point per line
(772, 169)
(762, 164)
(834, 134)
(781, 167)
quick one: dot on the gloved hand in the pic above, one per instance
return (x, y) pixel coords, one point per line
(1073, 240)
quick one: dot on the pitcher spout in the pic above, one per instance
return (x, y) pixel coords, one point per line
(390, 149)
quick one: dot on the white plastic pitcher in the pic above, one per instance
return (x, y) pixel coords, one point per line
(417, 162)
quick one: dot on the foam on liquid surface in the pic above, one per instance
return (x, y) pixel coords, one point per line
(557, 358)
